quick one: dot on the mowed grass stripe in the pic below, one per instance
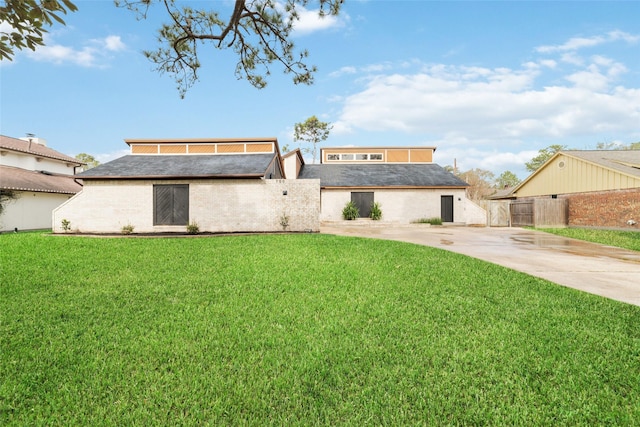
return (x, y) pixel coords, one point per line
(300, 330)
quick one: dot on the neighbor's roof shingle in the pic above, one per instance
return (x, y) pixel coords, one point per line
(382, 175)
(182, 166)
(624, 161)
(18, 179)
(33, 148)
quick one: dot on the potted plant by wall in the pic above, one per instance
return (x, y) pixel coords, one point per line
(376, 211)
(350, 211)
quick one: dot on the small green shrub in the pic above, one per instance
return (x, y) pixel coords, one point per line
(433, 221)
(284, 221)
(376, 212)
(350, 211)
(66, 224)
(193, 228)
(127, 229)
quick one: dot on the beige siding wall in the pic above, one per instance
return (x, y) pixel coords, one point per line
(569, 175)
(216, 205)
(30, 211)
(33, 163)
(401, 206)
(291, 167)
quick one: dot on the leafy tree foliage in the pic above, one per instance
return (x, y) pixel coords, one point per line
(5, 197)
(28, 21)
(480, 183)
(313, 131)
(90, 161)
(614, 146)
(258, 31)
(543, 155)
(507, 179)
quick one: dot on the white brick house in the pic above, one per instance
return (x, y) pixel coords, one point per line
(222, 185)
(403, 180)
(241, 185)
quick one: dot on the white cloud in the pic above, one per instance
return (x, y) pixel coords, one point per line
(481, 105)
(310, 21)
(577, 43)
(94, 54)
(488, 159)
(343, 71)
(114, 43)
(496, 118)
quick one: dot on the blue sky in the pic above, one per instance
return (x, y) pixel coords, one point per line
(487, 83)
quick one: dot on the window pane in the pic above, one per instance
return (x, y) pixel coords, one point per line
(347, 157)
(375, 156)
(333, 156)
(361, 156)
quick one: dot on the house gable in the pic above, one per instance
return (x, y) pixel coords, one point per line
(293, 162)
(581, 172)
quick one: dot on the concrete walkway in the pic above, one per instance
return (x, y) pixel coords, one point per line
(602, 270)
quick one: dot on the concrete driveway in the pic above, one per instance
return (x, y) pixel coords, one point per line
(602, 270)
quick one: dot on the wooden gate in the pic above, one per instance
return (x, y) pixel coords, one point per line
(539, 213)
(521, 213)
(498, 213)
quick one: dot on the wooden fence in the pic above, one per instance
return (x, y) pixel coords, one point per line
(539, 212)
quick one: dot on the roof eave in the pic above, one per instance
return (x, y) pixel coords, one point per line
(130, 141)
(39, 190)
(394, 187)
(142, 177)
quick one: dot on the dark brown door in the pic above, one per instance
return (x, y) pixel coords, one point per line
(363, 201)
(446, 208)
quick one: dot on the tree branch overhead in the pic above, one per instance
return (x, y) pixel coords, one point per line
(259, 31)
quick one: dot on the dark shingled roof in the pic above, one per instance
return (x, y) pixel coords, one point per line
(183, 166)
(12, 178)
(381, 175)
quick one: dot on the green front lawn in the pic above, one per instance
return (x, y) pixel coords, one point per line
(300, 330)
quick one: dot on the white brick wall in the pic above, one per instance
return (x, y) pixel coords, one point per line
(216, 205)
(401, 206)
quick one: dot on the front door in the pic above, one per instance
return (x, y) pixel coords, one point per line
(363, 201)
(446, 208)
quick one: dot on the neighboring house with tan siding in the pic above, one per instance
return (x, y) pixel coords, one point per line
(40, 178)
(222, 185)
(602, 187)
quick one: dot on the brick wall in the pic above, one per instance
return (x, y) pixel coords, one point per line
(216, 205)
(402, 206)
(605, 209)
